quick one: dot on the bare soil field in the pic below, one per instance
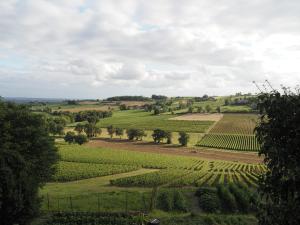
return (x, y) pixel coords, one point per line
(206, 153)
(199, 117)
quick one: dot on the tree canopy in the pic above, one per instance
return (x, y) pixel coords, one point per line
(27, 156)
(279, 136)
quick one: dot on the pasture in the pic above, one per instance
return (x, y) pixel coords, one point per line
(147, 121)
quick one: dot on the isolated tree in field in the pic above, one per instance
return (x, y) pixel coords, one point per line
(27, 158)
(70, 137)
(81, 139)
(190, 109)
(136, 134)
(119, 132)
(111, 131)
(56, 125)
(92, 130)
(279, 136)
(208, 108)
(158, 135)
(183, 138)
(218, 109)
(79, 128)
(156, 111)
(169, 137)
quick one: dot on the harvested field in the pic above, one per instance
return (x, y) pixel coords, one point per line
(199, 117)
(205, 153)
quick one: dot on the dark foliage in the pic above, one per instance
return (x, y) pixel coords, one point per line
(279, 136)
(27, 156)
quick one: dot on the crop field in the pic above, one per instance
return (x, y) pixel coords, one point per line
(236, 124)
(148, 121)
(68, 171)
(230, 141)
(174, 170)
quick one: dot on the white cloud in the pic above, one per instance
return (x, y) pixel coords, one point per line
(112, 47)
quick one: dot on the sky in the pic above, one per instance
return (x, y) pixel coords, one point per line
(95, 49)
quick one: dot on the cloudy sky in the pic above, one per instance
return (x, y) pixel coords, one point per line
(95, 49)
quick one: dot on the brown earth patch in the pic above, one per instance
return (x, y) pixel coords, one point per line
(199, 117)
(205, 153)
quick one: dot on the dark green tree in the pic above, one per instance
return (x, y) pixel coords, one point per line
(27, 158)
(119, 132)
(279, 136)
(111, 130)
(70, 137)
(183, 138)
(158, 135)
(79, 128)
(81, 139)
(207, 108)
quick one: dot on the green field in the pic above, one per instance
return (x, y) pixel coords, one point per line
(132, 176)
(147, 121)
(230, 142)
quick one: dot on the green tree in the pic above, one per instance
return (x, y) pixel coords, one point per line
(79, 128)
(279, 136)
(169, 137)
(218, 109)
(119, 132)
(70, 137)
(81, 139)
(92, 130)
(208, 108)
(190, 109)
(136, 134)
(111, 130)
(183, 138)
(158, 135)
(156, 111)
(27, 158)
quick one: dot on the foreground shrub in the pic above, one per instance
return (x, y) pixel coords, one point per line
(227, 199)
(208, 199)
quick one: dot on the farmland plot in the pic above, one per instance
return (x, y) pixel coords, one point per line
(236, 124)
(231, 142)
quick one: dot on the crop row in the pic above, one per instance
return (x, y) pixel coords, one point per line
(236, 124)
(68, 171)
(232, 142)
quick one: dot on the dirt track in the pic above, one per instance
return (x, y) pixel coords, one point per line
(247, 157)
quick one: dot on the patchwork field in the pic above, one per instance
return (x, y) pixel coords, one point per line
(121, 179)
(148, 121)
(236, 124)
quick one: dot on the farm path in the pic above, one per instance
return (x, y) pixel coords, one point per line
(206, 153)
(91, 185)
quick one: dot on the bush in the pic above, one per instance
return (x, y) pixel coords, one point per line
(208, 199)
(227, 199)
(136, 134)
(81, 139)
(165, 201)
(183, 138)
(179, 201)
(241, 197)
(70, 137)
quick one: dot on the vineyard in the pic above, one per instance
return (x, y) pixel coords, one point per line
(68, 171)
(236, 124)
(82, 162)
(231, 142)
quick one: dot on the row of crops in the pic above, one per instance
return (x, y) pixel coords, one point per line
(231, 142)
(181, 178)
(81, 162)
(236, 124)
(68, 171)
